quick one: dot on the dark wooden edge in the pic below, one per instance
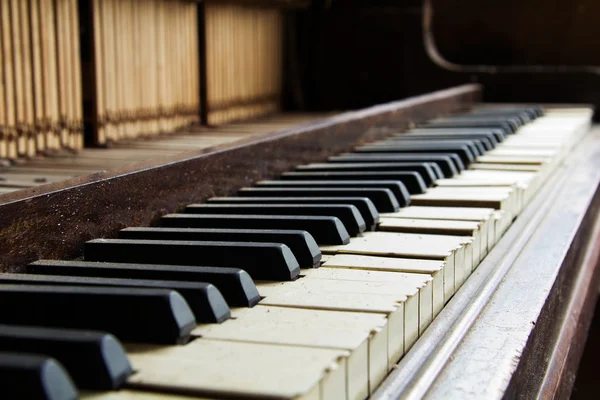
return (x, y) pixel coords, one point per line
(87, 51)
(201, 18)
(53, 221)
(548, 367)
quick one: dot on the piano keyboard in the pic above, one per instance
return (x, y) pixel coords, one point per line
(238, 305)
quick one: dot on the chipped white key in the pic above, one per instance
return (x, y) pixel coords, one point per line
(207, 367)
(402, 310)
(512, 194)
(363, 335)
(525, 183)
(433, 268)
(502, 221)
(481, 215)
(497, 198)
(456, 252)
(440, 227)
(391, 280)
(407, 290)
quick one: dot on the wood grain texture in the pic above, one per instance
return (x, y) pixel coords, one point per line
(243, 51)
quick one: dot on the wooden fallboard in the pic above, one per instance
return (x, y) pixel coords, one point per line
(53, 221)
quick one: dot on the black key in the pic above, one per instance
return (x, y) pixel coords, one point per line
(506, 127)
(364, 205)
(384, 199)
(234, 284)
(488, 141)
(205, 300)
(27, 376)
(411, 180)
(325, 230)
(396, 187)
(348, 214)
(423, 169)
(268, 261)
(514, 122)
(463, 150)
(446, 162)
(121, 311)
(532, 112)
(301, 243)
(499, 134)
(95, 360)
(439, 174)
(483, 145)
(521, 115)
(474, 145)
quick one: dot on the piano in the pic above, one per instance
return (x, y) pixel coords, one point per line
(437, 246)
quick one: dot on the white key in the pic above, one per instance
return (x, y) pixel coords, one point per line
(391, 280)
(497, 198)
(433, 268)
(401, 308)
(513, 195)
(440, 227)
(481, 215)
(125, 394)
(226, 368)
(456, 252)
(363, 335)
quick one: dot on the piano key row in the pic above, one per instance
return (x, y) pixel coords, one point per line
(351, 319)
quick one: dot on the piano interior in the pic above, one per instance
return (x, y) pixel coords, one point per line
(296, 199)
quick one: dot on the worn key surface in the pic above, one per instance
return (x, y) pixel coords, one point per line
(363, 335)
(433, 268)
(193, 369)
(456, 252)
